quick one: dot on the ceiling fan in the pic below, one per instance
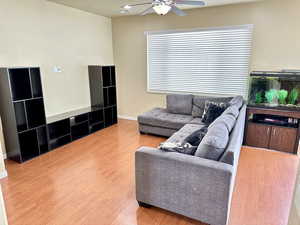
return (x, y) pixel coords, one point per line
(162, 7)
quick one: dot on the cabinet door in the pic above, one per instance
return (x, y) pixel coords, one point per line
(258, 135)
(283, 139)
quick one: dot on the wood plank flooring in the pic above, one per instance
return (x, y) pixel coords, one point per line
(91, 182)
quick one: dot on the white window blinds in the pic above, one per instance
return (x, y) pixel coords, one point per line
(207, 61)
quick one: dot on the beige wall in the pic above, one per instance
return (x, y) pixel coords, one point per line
(3, 218)
(45, 34)
(276, 43)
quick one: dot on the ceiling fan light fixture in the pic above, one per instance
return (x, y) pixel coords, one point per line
(127, 7)
(161, 9)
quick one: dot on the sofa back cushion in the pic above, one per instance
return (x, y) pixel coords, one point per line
(214, 142)
(231, 155)
(199, 103)
(228, 117)
(238, 101)
(179, 104)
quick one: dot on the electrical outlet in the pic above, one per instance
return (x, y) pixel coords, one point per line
(57, 69)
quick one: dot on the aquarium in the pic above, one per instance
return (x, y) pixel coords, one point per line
(275, 89)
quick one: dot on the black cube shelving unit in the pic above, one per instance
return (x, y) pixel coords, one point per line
(27, 131)
(103, 89)
(23, 113)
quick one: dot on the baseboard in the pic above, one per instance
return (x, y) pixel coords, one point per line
(3, 174)
(127, 117)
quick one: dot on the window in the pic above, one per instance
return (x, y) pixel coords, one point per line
(207, 61)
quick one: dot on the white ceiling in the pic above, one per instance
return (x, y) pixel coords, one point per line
(111, 8)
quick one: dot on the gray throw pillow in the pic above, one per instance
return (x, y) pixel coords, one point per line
(180, 104)
(214, 142)
(237, 101)
(199, 104)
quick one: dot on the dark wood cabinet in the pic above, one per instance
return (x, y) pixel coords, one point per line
(258, 135)
(282, 138)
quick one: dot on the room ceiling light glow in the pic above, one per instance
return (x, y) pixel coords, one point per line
(127, 7)
(161, 8)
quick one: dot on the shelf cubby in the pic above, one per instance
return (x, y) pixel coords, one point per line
(20, 114)
(20, 84)
(36, 83)
(96, 117)
(112, 95)
(79, 119)
(58, 142)
(59, 129)
(42, 139)
(80, 130)
(108, 114)
(29, 145)
(106, 76)
(96, 127)
(113, 76)
(35, 112)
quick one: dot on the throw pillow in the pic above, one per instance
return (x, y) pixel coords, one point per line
(214, 142)
(212, 111)
(199, 104)
(180, 104)
(196, 137)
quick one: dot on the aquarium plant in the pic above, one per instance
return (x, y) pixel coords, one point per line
(293, 97)
(282, 95)
(258, 97)
(271, 96)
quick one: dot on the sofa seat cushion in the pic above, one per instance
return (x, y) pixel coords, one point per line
(161, 118)
(196, 121)
(181, 135)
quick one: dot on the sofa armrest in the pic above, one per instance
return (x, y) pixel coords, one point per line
(184, 184)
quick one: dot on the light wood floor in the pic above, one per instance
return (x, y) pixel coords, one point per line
(91, 182)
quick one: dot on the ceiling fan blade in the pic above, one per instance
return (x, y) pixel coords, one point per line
(127, 7)
(184, 2)
(177, 11)
(138, 4)
(147, 11)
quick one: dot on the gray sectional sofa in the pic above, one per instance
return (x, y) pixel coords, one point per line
(197, 187)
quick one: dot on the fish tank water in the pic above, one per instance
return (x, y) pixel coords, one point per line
(275, 90)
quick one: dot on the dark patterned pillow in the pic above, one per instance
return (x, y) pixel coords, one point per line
(212, 111)
(196, 137)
